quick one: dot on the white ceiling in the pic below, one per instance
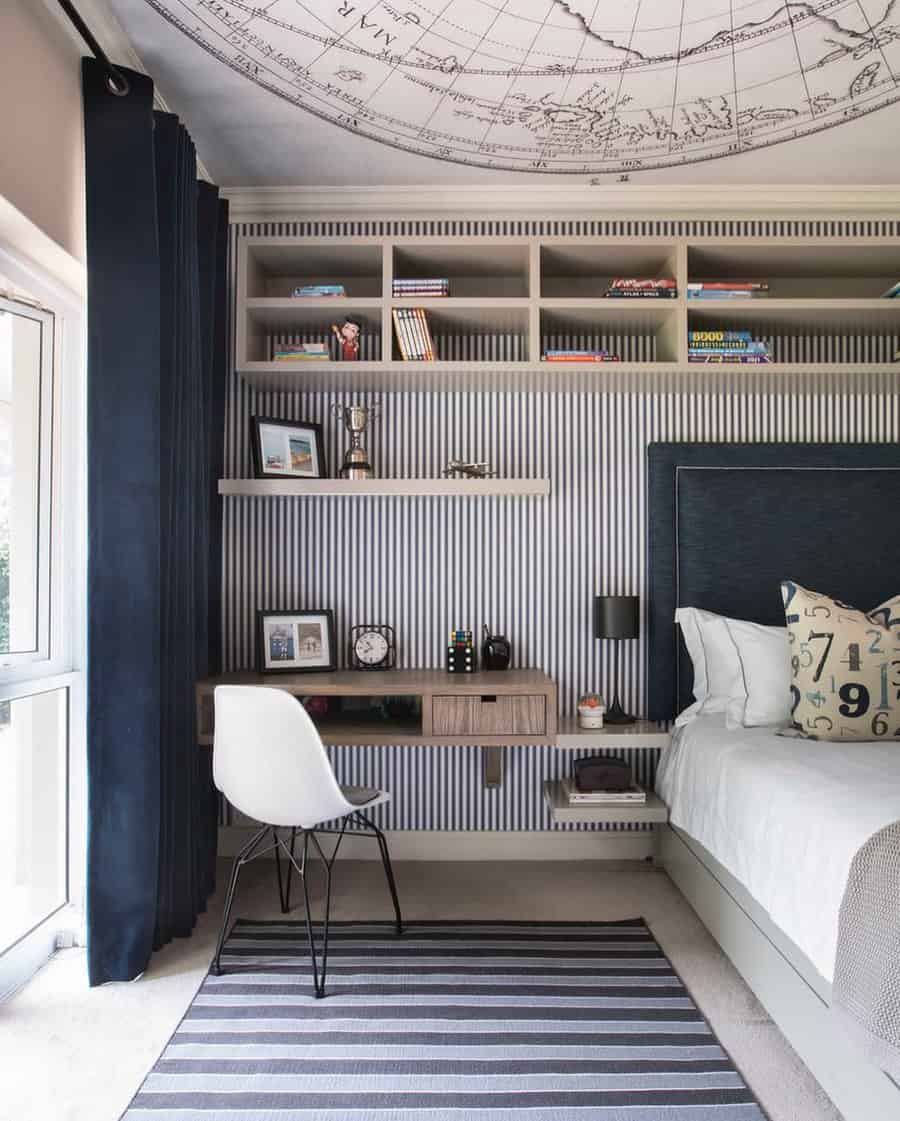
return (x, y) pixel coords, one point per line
(366, 92)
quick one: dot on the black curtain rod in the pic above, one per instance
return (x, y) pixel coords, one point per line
(115, 79)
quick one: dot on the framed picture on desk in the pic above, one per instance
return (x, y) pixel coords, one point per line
(295, 641)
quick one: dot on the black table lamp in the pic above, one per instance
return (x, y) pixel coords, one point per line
(617, 617)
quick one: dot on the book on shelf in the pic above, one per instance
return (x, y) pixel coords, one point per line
(301, 352)
(319, 291)
(728, 290)
(640, 294)
(730, 359)
(431, 286)
(578, 356)
(642, 284)
(892, 293)
(632, 796)
(413, 335)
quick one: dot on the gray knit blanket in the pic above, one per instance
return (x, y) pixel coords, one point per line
(866, 990)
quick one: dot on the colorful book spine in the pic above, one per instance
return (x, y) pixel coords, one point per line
(728, 286)
(642, 283)
(320, 290)
(428, 344)
(709, 337)
(641, 293)
(730, 359)
(584, 358)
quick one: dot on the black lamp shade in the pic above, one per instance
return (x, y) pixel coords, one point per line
(617, 616)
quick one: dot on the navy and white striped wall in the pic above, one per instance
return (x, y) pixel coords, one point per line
(528, 567)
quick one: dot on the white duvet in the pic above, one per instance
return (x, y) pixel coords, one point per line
(784, 816)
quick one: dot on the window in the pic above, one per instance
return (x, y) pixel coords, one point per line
(26, 370)
(41, 593)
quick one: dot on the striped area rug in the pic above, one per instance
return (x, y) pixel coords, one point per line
(453, 1021)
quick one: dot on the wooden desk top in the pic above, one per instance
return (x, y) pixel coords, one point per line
(393, 682)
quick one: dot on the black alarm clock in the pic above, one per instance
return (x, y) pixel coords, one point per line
(371, 646)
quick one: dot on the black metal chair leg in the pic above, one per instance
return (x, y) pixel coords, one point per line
(388, 870)
(282, 896)
(286, 900)
(241, 858)
(318, 978)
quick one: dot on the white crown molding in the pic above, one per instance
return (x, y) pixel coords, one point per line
(551, 200)
(109, 33)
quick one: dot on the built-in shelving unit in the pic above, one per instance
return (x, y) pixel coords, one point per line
(512, 298)
(385, 488)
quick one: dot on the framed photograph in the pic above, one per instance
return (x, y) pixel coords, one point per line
(287, 449)
(296, 641)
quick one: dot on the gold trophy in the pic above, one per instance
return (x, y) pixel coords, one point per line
(356, 459)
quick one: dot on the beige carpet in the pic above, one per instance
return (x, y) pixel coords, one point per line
(70, 1053)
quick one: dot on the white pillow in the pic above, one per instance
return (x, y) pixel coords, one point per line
(717, 668)
(765, 665)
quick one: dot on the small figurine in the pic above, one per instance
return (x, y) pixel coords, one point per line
(467, 470)
(348, 337)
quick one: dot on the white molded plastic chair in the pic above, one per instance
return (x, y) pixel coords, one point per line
(269, 762)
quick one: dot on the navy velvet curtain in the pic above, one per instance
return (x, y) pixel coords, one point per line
(156, 370)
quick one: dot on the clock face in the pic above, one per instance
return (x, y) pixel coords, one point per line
(371, 648)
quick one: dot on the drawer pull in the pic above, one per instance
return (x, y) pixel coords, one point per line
(490, 700)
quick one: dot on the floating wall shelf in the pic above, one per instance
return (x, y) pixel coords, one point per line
(383, 488)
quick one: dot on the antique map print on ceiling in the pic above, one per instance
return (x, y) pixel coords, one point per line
(578, 87)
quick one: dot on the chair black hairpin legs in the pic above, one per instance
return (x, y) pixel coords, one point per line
(388, 870)
(240, 860)
(286, 898)
(318, 978)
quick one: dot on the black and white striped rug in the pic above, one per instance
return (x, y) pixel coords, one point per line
(453, 1021)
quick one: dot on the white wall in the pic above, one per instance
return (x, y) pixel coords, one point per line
(41, 134)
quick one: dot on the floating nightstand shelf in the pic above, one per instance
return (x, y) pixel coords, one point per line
(384, 488)
(654, 810)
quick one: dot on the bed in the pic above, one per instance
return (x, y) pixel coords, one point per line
(763, 828)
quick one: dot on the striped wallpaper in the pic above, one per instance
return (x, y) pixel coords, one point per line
(528, 567)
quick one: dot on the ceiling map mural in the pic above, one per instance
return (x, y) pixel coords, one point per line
(580, 87)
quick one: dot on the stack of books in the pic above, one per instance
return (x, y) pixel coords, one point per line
(319, 291)
(728, 290)
(579, 356)
(632, 796)
(413, 334)
(738, 347)
(301, 352)
(641, 288)
(893, 293)
(433, 286)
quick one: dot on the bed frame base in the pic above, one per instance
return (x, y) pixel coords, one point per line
(780, 976)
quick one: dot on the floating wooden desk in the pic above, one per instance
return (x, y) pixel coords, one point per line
(491, 710)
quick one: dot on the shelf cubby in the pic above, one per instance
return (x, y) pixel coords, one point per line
(822, 271)
(270, 322)
(810, 332)
(275, 267)
(645, 331)
(474, 330)
(583, 269)
(479, 268)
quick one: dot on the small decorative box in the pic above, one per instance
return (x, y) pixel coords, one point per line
(590, 711)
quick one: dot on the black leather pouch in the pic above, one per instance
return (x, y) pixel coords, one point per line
(599, 772)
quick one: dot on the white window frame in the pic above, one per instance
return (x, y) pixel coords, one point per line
(61, 662)
(46, 460)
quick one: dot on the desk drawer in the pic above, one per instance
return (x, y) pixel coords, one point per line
(489, 716)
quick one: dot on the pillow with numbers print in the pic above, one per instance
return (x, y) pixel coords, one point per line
(845, 667)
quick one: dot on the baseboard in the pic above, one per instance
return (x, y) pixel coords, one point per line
(434, 845)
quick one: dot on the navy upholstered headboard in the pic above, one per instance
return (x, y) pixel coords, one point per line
(728, 522)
